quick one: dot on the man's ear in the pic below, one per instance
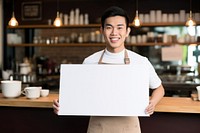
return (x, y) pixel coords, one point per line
(128, 31)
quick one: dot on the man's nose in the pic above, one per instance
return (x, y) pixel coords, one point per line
(114, 31)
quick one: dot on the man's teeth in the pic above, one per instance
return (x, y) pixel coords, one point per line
(114, 39)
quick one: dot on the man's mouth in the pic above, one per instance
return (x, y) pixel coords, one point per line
(114, 39)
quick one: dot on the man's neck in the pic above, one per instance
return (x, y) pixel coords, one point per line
(115, 50)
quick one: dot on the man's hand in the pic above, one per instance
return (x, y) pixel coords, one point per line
(56, 106)
(150, 108)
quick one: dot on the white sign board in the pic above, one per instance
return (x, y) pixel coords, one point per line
(104, 90)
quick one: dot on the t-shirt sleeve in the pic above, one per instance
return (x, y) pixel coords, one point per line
(154, 80)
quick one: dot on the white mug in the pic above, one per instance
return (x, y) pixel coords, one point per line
(198, 92)
(11, 89)
(32, 92)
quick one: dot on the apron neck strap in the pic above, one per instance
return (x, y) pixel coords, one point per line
(126, 58)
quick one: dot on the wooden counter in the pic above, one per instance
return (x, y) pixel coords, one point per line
(167, 104)
(172, 115)
(22, 101)
(178, 105)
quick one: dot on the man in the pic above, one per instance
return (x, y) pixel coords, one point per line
(114, 27)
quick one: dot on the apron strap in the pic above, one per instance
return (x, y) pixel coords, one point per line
(101, 58)
(126, 58)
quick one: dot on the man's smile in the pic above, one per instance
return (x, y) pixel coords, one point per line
(114, 39)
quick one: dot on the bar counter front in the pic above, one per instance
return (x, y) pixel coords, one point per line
(22, 115)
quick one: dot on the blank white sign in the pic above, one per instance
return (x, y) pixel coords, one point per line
(104, 90)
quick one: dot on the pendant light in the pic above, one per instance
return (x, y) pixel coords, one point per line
(190, 21)
(13, 21)
(58, 22)
(136, 21)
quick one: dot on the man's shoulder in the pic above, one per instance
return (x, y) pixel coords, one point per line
(135, 55)
(94, 58)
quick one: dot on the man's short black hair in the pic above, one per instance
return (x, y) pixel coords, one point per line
(114, 11)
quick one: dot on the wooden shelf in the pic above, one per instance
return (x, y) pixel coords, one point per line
(96, 25)
(57, 45)
(94, 44)
(163, 24)
(52, 26)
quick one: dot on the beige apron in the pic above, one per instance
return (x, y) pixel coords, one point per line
(114, 124)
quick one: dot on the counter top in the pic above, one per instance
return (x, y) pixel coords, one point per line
(167, 104)
(178, 105)
(22, 101)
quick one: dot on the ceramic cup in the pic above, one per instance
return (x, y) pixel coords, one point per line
(198, 92)
(32, 92)
(11, 89)
(6, 74)
(44, 92)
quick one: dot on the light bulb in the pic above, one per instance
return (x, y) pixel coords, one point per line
(57, 22)
(136, 21)
(190, 22)
(13, 21)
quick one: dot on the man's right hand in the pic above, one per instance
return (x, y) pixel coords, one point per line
(56, 106)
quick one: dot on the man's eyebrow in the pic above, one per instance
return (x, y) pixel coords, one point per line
(108, 25)
(120, 25)
(112, 25)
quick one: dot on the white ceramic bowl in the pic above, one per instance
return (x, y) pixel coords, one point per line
(44, 92)
(11, 89)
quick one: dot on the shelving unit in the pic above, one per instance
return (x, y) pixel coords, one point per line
(32, 27)
(30, 47)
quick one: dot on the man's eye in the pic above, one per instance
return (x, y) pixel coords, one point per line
(120, 28)
(108, 27)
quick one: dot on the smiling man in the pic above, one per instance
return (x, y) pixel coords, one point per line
(115, 29)
(115, 32)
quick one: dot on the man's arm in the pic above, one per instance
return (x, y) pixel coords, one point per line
(156, 96)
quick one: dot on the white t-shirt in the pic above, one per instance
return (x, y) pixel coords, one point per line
(118, 58)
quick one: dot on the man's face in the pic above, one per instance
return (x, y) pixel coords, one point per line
(115, 33)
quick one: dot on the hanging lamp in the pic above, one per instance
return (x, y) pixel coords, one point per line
(190, 21)
(58, 21)
(13, 20)
(136, 21)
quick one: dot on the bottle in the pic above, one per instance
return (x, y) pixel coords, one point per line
(77, 11)
(86, 20)
(65, 19)
(71, 21)
(80, 38)
(92, 37)
(61, 16)
(81, 19)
